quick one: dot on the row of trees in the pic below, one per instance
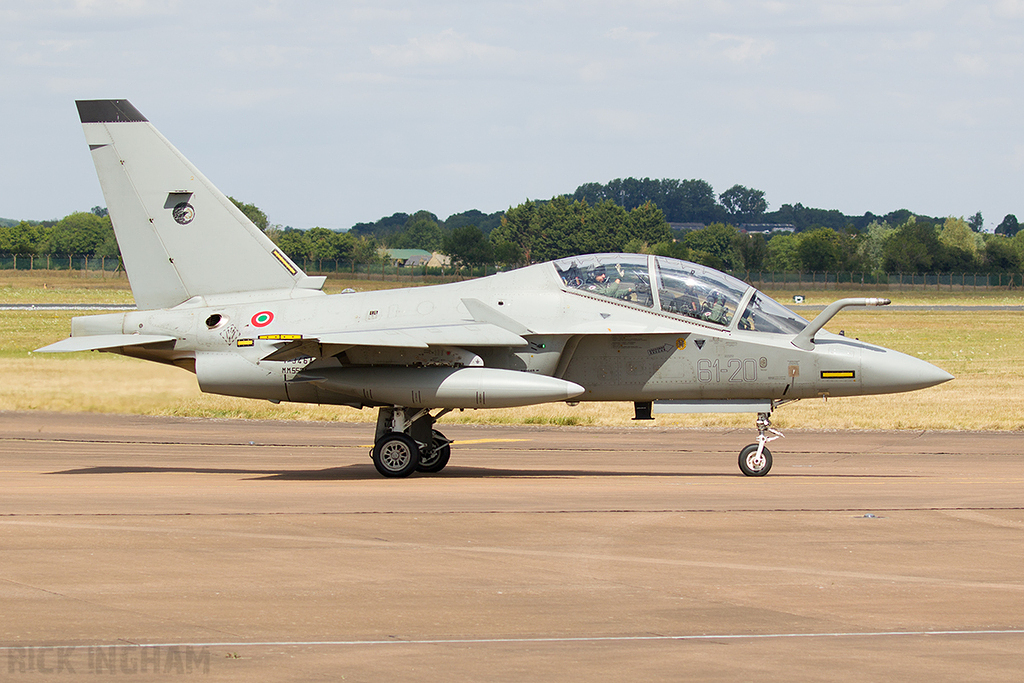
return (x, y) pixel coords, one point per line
(402, 230)
(91, 234)
(695, 201)
(541, 231)
(681, 201)
(566, 225)
(530, 232)
(465, 242)
(915, 246)
(85, 233)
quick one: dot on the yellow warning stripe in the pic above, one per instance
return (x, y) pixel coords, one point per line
(284, 261)
(286, 337)
(246, 342)
(838, 374)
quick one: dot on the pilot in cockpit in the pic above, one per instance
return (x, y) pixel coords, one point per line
(714, 308)
(687, 302)
(601, 283)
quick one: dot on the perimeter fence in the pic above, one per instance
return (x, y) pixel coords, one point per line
(100, 266)
(881, 281)
(111, 266)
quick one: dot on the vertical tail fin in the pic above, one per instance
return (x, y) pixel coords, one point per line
(179, 236)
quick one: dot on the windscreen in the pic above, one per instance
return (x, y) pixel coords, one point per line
(698, 292)
(764, 314)
(683, 288)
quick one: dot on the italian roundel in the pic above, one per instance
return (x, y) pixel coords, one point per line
(262, 319)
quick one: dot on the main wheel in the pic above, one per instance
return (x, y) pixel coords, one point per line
(396, 455)
(754, 466)
(434, 459)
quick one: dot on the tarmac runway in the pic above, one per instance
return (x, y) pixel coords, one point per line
(235, 550)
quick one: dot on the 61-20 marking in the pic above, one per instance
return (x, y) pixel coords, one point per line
(735, 370)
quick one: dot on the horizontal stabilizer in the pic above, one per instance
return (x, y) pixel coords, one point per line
(99, 342)
(483, 313)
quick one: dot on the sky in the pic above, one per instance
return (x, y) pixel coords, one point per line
(338, 112)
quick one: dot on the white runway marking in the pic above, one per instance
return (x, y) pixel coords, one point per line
(501, 641)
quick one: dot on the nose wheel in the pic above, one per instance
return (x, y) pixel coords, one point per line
(756, 459)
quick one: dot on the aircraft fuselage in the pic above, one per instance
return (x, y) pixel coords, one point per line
(614, 349)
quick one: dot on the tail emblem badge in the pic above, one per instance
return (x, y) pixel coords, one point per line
(184, 213)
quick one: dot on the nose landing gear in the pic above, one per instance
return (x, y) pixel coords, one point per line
(756, 459)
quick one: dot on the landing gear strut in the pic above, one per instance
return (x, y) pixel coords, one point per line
(756, 459)
(436, 455)
(406, 442)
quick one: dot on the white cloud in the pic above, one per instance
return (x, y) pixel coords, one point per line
(618, 122)
(802, 101)
(265, 56)
(122, 7)
(739, 49)
(1012, 9)
(627, 35)
(909, 41)
(580, 89)
(74, 87)
(445, 48)
(972, 64)
(879, 14)
(372, 14)
(1016, 158)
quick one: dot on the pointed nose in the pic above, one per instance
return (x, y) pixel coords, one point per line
(885, 371)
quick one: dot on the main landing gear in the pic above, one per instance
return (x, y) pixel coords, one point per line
(756, 459)
(407, 442)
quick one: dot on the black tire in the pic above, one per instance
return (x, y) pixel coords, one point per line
(749, 464)
(436, 457)
(396, 455)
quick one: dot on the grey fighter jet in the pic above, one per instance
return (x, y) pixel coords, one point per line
(217, 298)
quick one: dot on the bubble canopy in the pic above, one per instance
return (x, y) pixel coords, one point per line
(678, 288)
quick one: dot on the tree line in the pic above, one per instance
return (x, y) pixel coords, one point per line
(694, 201)
(914, 246)
(624, 215)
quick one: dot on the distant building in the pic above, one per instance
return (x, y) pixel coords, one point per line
(399, 257)
(434, 260)
(686, 227)
(752, 228)
(766, 228)
(416, 257)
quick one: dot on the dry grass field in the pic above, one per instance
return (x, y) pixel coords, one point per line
(981, 348)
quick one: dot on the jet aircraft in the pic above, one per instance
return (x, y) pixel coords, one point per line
(216, 297)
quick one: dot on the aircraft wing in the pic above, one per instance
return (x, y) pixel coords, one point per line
(99, 342)
(462, 334)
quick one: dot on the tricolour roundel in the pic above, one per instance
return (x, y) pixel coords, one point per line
(262, 319)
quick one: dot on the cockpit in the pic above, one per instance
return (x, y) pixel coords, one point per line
(678, 288)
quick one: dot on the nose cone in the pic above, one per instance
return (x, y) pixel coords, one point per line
(887, 372)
